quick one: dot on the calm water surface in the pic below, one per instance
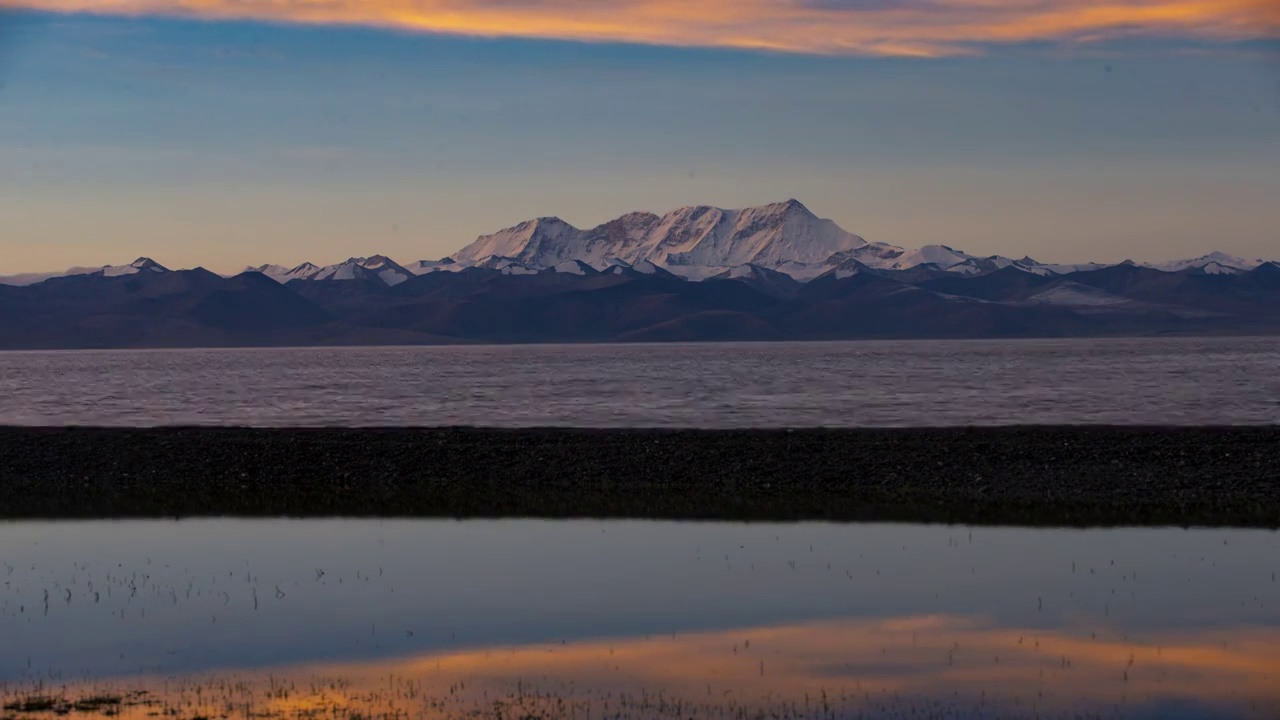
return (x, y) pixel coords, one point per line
(357, 619)
(1178, 381)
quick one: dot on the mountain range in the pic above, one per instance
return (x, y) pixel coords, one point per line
(774, 272)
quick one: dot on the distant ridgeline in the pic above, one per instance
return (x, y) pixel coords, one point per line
(775, 272)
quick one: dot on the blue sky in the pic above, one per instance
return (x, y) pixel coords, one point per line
(224, 143)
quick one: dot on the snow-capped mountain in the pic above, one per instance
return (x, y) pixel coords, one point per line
(985, 265)
(377, 267)
(699, 236)
(940, 256)
(142, 264)
(695, 243)
(700, 242)
(386, 269)
(1215, 263)
(282, 274)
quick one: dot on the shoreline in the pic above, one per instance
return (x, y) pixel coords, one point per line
(1010, 475)
(452, 342)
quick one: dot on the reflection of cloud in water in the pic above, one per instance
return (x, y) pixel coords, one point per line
(960, 664)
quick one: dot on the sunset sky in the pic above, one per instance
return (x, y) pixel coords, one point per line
(228, 132)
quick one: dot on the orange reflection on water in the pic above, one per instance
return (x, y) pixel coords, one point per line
(886, 666)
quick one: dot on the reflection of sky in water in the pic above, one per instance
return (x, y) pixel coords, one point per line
(1134, 619)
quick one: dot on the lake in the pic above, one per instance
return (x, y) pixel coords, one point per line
(360, 618)
(916, 383)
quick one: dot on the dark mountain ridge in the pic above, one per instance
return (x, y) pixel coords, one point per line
(191, 308)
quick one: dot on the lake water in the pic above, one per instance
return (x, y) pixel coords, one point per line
(352, 619)
(1148, 381)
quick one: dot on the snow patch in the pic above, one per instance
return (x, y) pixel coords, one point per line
(571, 267)
(1075, 294)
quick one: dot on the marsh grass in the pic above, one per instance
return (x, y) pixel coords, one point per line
(105, 705)
(35, 704)
(399, 698)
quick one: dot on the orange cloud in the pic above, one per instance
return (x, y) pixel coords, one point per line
(925, 28)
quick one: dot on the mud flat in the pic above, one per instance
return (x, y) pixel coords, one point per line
(1009, 475)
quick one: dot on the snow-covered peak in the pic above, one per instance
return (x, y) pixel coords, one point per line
(694, 235)
(283, 274)
(351, 269)
(939, 255)
(876, 255)
(847, 269)
(1224, 263)
(804, 272)
(387, 270)
(644, 268)
(422, 267)
(768, 236)
(377, 267)
(141, 265)
(1217, 268)
(747, 272)
(376, 262)
(146, 263)
(268, 270)
(528, 242)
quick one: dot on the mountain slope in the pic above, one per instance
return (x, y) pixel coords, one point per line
(148, 308)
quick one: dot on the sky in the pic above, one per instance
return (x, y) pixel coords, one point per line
(226, 133)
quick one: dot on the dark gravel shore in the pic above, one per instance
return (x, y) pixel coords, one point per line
(1016, 475)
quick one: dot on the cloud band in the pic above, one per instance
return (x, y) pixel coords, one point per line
(925, 28)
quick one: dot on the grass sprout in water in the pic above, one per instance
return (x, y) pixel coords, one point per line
(920, 667)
